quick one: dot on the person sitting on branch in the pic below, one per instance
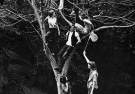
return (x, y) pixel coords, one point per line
(93, 75)
(53, 26)
(73, 39)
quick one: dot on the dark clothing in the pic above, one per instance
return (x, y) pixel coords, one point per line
(78, 20)
(52, 34)
(64, 52)
(68, 48)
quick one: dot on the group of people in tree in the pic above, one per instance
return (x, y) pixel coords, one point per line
(53, 28)
(81, 26)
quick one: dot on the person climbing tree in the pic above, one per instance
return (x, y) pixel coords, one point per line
(73, 38)
(93, 75)
(52, 25)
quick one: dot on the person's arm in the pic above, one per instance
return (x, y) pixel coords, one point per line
(80, 17)
(67, 35)
(84, 54)
(92, 26)
(46, 18)
(58, 28)
(78, 37)
(66, 87)
(79, 40)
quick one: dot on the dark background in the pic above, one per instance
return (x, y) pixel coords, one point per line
(114, 59)
(25, 68)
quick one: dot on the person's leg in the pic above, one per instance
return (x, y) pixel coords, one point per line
(55, 35)
(60, 54)
(59, 58)
(53, 41)
(48, 34)
(89, 90)
(67, 52)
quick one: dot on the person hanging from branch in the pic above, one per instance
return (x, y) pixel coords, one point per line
(93, 75)
(78, 26)
(83, 22)
(73, 39)
(52, 25)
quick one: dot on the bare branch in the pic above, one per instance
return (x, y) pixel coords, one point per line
(106, 27)
(67, 62)
(114, 26)
(14, 23)
(122, 19)
(128, 13)
(65, 18)
(111, 2)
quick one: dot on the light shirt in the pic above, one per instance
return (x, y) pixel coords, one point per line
(52, 22)
(93, 37)
(92, 77)
(69, 34)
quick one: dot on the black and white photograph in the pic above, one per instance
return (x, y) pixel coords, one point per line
(67, 46)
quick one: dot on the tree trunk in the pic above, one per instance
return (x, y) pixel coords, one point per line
(48, 52)
(59, 88)
(65, 72)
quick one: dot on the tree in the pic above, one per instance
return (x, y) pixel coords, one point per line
(36, 9)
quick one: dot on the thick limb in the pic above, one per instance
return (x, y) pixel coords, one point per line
(60, 8)
(61, 5)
